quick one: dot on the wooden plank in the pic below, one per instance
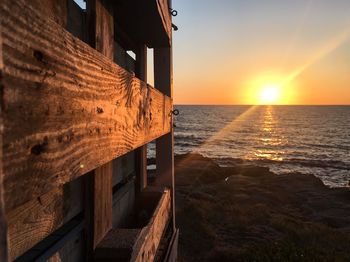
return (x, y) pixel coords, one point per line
(70, 252)
(101, 37)
(163, 78)
(3, 222)
(144, 21)
(165, 144)
(123, 167)
(171, 255)
(54, 243)
(102, 193)
(123, 204)
(138, 244)
(43, 216)
(55, 9)
(150, 236)
(163, 9)
(47, 212)
(76, 21)
(67, 108)
(141, 153)
(100, 20)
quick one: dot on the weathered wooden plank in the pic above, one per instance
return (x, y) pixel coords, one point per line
(163, 9)
(144, 21)
(171, 255)
(141, 153)
(76, 20)
(123, 204)
(150, 236)
(100, 19)
(67, 108)
(102, 192)
(101, 38)
(3, 223)
(165, 144)
(123, 167)
(70, 252)
(43, 216)
(163, 78)
(55, 9)
(138, 244)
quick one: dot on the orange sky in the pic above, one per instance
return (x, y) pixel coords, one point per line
(225, 51)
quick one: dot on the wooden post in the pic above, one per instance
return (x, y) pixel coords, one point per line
(165, 144)
(99, 203)
(141, 152)
(3, 224)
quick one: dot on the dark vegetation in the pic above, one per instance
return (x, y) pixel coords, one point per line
(247, 213)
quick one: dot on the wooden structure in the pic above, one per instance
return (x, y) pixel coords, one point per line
(76, 114)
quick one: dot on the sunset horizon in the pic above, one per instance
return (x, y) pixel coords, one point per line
(304, 45)
(175, 130)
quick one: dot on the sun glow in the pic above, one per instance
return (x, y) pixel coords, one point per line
(270, 94)
(271, 88)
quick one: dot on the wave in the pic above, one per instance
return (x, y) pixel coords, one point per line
(335, 164)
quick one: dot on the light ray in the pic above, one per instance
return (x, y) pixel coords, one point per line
(330, 47)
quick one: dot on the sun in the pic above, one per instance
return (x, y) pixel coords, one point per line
(270, 94)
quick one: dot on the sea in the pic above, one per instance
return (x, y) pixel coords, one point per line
(287, 139)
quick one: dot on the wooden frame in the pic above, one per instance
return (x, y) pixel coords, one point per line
(3, 222)
(66, 111)
(74, 84)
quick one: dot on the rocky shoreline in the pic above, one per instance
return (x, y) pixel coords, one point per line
(247, 213)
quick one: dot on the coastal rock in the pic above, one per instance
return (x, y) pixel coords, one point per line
(247, 213)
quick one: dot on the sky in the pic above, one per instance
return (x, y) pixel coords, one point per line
(227, 51)
(231, 51)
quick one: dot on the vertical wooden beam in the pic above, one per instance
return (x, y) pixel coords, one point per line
(163, 74)
(100, 26)
(99, 204)
(141, 153)
(3, 224)
(102, 195)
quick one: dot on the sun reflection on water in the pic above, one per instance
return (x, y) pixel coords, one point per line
(270, 140)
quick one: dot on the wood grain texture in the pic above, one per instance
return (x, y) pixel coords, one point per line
(123, 168)
(163, 8)
(37, 219)
(70, 252)
(171, 255)
(67, 108)
(101, 31)
(102, 216)
(101, 38)
(138, 244)
(104, 36)
(55, 9)
(163, 77)
(141, 153)
(3, 222)
(149, 239)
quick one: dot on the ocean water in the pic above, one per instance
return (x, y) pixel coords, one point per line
(307, 139)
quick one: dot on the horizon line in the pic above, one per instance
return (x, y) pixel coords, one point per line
(185, 104)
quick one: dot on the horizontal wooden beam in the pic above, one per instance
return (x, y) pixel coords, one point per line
(43, 216)
(67, 109)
